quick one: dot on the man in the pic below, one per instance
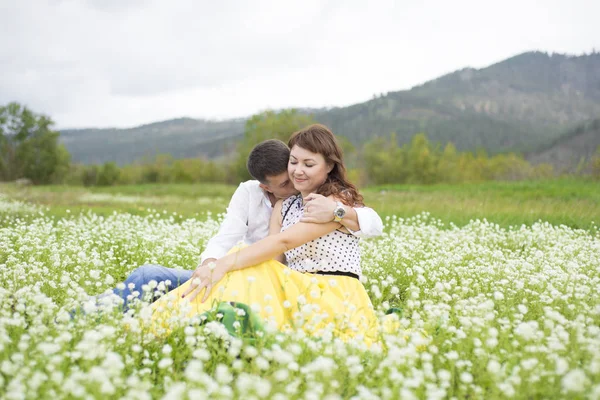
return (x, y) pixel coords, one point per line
(248, 215)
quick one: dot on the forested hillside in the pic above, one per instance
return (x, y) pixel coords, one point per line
(182, 138)
(520, 104)
(572, 150)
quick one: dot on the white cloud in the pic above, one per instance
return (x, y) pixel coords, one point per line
(122, 63)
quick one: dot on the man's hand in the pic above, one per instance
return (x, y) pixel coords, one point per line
(207, 262)
(318, 209)
(205, 276)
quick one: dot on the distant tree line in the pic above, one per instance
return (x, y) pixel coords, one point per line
(29, 149)
(423, 162)
(162, 169)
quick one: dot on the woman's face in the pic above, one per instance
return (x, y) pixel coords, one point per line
(307, 170)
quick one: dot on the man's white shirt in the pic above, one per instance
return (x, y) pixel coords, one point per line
(248, 216)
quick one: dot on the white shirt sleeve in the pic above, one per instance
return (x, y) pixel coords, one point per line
(233, 228)
(369, 221)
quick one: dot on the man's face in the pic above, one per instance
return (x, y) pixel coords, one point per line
(280, 185)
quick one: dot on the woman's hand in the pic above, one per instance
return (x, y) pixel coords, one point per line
(205, 277)
(318, 209)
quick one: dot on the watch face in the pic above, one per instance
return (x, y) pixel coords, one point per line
(340, 212)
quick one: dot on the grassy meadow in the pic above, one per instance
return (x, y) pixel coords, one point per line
(497, 284)
(575, 203)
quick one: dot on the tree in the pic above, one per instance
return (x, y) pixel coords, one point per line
(447, 166)
(385, 161)
(267, 125)
(109, 174)
(421, 160)
(29, 148)
(89, 175)
(595, 164)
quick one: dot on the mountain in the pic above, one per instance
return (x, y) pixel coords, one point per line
(519, 104)
(567, 152)
(182, 138)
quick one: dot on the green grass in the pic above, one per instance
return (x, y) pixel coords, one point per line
(185, 200)
(575, 203)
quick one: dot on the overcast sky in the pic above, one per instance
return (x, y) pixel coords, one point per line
(101, 63)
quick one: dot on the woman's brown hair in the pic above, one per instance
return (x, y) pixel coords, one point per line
(319, 139)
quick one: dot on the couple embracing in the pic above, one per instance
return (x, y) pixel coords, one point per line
(301, 221)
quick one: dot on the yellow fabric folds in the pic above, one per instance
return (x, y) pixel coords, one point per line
(285, 299)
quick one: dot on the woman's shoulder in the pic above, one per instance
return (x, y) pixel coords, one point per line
(278, 205)
(287, 204)
(290, 200)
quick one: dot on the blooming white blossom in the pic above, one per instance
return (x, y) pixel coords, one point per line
(519, 302)
(574, 381)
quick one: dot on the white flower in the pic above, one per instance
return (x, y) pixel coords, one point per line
(574, 381)
(250, 352)
(466, 377)
(494, 367)
(562, 366)
(194, 370)
(262, 363)
(222, 374)
(527, 330)
(529, 363)
(522, 309)
(281, 375)
(165, 363)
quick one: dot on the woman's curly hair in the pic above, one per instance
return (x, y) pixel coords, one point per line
(319, 139)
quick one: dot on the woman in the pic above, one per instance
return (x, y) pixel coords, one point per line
(319, 289)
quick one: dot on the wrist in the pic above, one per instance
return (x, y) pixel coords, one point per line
(225, 264)
(344, 220)
(208, 261)
(339, 212)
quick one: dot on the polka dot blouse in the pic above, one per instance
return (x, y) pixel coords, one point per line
(336, 251)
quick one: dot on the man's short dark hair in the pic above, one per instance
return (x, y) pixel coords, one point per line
(268, 158)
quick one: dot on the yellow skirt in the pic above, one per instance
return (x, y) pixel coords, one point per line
(285, 299)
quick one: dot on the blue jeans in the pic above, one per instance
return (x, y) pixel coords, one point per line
(151, 272)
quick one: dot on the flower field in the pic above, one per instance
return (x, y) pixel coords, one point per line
(487, 312)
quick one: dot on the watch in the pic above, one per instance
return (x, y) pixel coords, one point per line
(339, 212)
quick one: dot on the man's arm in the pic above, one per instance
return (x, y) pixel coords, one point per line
(360, 221)
(232, 229)
(370, 223)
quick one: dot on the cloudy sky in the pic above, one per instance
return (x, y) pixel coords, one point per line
(101, 63)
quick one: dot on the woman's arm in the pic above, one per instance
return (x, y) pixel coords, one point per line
(263, 250)
(271, 246)
(275, 226)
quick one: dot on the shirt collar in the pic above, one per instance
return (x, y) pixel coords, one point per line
(266, 199)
